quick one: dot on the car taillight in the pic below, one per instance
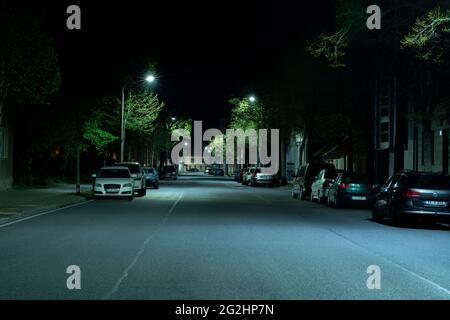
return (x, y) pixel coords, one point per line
(411, 194)
(344, 186)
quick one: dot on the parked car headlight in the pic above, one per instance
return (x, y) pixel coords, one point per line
(127, 185)
(98, 185)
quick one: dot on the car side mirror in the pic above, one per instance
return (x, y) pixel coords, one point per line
(94, 176)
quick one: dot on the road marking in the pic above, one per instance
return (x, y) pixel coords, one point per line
(45, 213)
(127, 270)
(412, 273)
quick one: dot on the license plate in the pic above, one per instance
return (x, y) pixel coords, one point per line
(112, 190)
(359, 198)
(435, 203)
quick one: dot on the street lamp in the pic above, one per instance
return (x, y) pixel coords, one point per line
(252, 99)
(149, 79)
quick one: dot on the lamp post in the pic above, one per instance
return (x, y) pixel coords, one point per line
(149, 79)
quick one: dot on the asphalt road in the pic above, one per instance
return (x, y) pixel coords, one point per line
(206, 238)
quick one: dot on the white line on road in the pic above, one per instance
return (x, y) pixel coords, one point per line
(127, 270)
(45, 213)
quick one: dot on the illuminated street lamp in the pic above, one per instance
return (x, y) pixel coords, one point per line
(252, 99)
(149, 79)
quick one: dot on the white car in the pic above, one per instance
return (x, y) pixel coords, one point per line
(247, 175)
(113, 182)
(138, 174)
(264, 179)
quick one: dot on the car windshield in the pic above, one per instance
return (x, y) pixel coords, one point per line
(114, 173)
(149, 171)
(134, 168)
(168, 168)
(330, 174)
(315, 168)
(429, 182)
(355, 178)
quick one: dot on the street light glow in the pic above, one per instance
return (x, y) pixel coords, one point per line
(150, 78)
(173, 118)
(252, 98)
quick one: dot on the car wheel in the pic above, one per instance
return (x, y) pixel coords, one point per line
(394, 217)
(375, 216)
(337, 203)
(301, 194)
(321, 198)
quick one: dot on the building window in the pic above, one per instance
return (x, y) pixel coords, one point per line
(3, 143)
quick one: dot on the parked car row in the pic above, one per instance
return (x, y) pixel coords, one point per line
(253, 176)
(215, 172)
(405, 195)
(128, 179)
(123, 179)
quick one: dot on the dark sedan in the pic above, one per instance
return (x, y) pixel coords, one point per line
(414, 195)
(351, 189)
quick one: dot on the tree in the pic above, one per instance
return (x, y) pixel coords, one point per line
(142, 108)
(161, 139)
(246, 115)
(96, 131)
(29, 70)
(430, 36)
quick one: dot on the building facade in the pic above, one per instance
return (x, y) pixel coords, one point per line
(6, 149)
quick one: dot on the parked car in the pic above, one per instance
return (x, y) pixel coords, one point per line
(304, 176)
(151, 178)
(211, 171)
(322, 184)
(219, 172)
(137, 173)
(113, 182)
(351, 188)
(247, 175)
(259, 179)
(168, 172)
(414, 195)
(193, 170)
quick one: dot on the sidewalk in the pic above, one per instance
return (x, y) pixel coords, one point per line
(22, 202)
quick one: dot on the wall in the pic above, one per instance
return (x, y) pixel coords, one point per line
(6, 150)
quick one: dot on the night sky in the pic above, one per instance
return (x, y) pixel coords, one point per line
(206, 51)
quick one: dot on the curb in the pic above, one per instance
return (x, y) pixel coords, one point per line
(30, 213)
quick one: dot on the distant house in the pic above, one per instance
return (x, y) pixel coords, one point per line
(430, 154)
(6, 149)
